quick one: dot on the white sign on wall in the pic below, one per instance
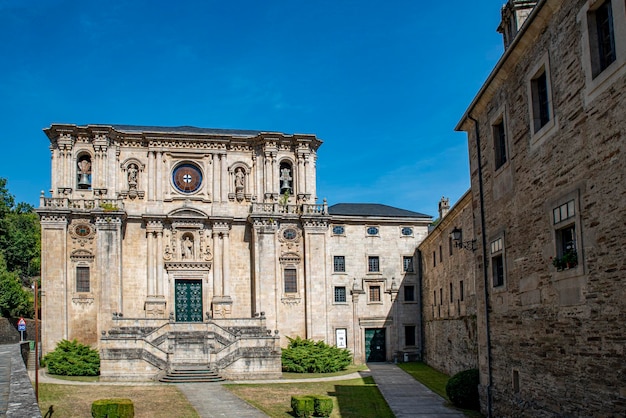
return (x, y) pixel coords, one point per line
(340, 337)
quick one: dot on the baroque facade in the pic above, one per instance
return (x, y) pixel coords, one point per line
(167, 247)
(547, 147)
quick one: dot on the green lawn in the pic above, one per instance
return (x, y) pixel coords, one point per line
(433, 380)
(355, 398)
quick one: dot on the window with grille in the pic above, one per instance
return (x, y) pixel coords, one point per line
(339, 264)
(407, 264)
(291, 281)
(374, 294)
(82, 279)
(373, 264)
(340, 294)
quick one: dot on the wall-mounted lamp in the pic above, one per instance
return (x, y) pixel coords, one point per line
(457, 238)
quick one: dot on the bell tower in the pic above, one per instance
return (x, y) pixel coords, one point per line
(514, 14)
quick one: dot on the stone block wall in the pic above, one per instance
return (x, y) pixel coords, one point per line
(449, 312)
(555, 342)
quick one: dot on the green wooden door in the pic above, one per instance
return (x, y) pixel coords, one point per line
(188, 300)
(375, 343)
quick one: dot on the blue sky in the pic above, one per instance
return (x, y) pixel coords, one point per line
(382, 83)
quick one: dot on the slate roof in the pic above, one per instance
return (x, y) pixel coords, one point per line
(372, 209)
(183, 129)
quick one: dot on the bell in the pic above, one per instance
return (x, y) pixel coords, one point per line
(84, 182)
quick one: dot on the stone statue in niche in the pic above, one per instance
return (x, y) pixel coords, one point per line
(187, 248)
(132, 176)
(239, 179)
(239, 184)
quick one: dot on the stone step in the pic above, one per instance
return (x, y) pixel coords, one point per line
(191, 375)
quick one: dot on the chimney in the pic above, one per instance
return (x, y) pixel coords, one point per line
(444, 207)
(514, 14)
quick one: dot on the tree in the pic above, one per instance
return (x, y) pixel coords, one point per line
(20, 236)
(14, 300)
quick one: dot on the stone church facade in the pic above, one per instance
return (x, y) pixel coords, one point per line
(167, 247)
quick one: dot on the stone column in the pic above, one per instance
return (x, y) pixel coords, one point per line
(226, 264)
(217, 264)
(215, 180)
(223, 178)
(155, 299)
(109, 266)
(150, 184)
(150, 260)
(357, 342)
(55, 290)
(159, 175)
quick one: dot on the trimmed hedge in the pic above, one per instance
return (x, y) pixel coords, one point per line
(303, 406)
(113, 408)
(308, 356)
(312, 405)
(323, 406)
(71, 358)
(462, 389)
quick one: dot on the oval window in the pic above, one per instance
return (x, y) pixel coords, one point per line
(406, 231)
(338, 230)
(290, 234)
(372, 230)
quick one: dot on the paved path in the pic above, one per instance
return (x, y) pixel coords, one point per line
(406, 397)
(17, 396)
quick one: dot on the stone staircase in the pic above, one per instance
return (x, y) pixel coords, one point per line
(190, 374)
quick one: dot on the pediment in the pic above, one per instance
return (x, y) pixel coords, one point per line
(187, 213)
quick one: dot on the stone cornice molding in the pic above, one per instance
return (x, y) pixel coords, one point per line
(188, 265)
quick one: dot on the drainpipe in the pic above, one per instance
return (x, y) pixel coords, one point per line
(485, 265)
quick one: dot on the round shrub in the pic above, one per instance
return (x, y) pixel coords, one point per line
(462, 389)
(71, 358)
(308, 356)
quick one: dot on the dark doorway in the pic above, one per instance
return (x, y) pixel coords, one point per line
(375, 343)
(188, 300)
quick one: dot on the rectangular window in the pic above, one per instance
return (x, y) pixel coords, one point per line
(409, 335)
(601, 37)
(340, 294)
(540, 100)
(563, 212)
(373, 264)
(499, 144)
(434, 297)
(450, 246)
(374, 293)
(434, 258)
(461, 291)
(82, 279)
(291, 282)
(407, 264)
(441, 296)
(497, 262)
(451, 293)
(440, 254)
(409, 293)
(339, 264)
